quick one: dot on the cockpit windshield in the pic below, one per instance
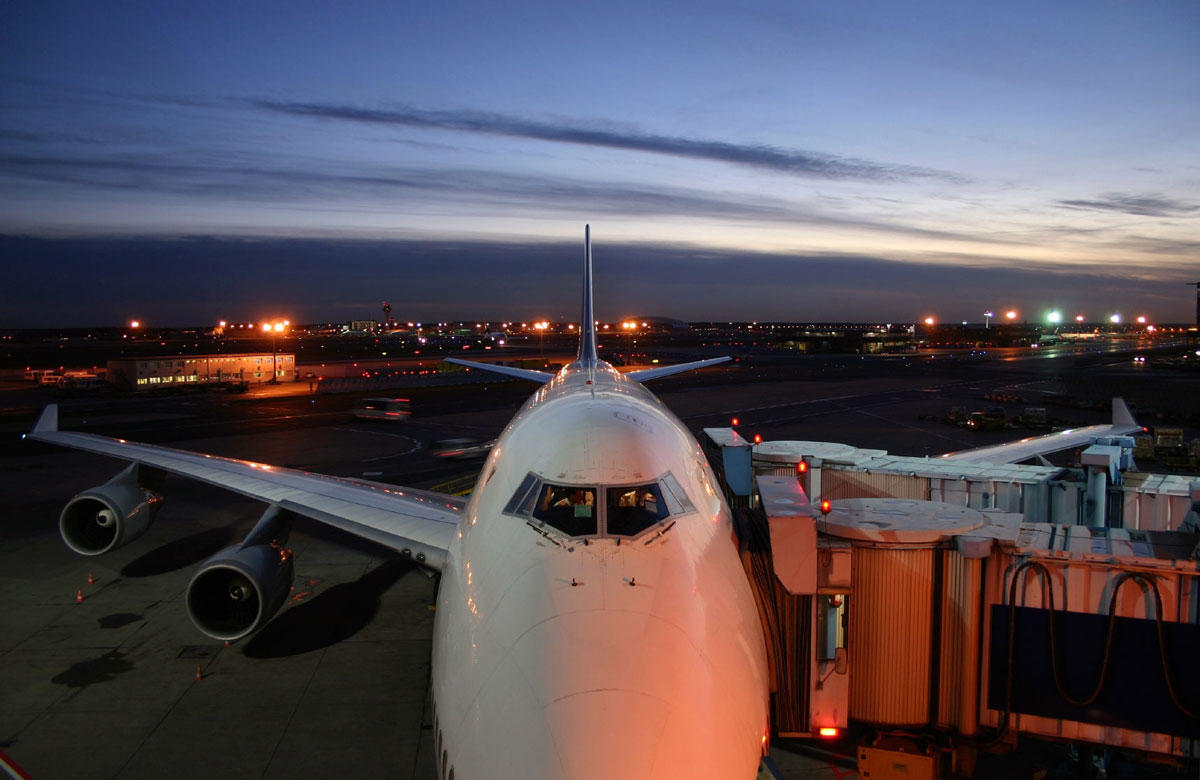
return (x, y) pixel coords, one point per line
(626, 510)
(568, 508)
(632, 510)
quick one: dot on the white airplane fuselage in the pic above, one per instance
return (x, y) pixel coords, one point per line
(596, 657)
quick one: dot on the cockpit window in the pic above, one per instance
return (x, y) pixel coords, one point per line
(677, 500)
(574, 510)
(524, 490)
(569, 508)
(631, 510)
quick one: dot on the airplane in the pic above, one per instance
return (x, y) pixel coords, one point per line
(593, 618)
(1037, 446)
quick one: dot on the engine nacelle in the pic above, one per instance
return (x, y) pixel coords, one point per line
(239, 589)
(109, 516)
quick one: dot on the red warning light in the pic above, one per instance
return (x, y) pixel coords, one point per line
(758, 438)
(735, 421)
(802, 466)
(826, 506)
(827, 731)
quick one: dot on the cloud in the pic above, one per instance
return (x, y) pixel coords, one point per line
(774, 158)
(1139, 205)
(340, 183)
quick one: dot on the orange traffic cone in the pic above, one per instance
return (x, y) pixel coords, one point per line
(79, 596)
(199, 672)
(91, 579)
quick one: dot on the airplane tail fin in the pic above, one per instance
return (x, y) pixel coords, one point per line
(587, 326)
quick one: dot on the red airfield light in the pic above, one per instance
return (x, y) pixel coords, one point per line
(802, 466)
(758, 438)
(826, 506)
(735, 421)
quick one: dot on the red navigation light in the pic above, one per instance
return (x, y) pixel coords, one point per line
(826, 506)
(827, 731)
(802, 466)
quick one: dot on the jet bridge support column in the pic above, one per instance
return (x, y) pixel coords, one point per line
(1103, 463)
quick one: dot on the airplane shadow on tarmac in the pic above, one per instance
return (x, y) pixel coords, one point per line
(175, 555)
(328, 618)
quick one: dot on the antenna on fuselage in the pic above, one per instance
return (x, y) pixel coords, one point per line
(587, 325)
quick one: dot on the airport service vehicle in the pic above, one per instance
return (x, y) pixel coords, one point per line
(386, 409)
(593, 620)
(462, 448)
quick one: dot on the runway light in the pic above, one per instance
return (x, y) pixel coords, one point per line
(827, 731)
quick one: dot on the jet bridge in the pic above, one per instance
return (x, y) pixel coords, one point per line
(945, 628)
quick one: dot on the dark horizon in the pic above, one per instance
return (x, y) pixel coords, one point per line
(181, 281)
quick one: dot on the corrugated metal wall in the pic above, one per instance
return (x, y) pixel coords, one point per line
(958, 682)
(837, 483)
(891, 615)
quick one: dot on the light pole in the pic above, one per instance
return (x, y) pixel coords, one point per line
(274, 329)
(987, 319)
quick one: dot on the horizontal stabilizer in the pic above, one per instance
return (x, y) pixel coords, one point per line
(520, 373)
(655, 373)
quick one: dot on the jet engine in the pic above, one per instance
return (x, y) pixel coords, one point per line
(111, 515)
(239, 589)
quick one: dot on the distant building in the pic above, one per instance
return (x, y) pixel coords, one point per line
(150, 373)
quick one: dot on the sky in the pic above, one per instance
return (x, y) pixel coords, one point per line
(185, 162)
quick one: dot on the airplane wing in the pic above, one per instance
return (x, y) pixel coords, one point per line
(542, 377)
(420, 522)
(1017, 451)
(679, 368)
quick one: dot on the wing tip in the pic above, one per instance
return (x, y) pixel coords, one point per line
(1121, 416)
(48, 422)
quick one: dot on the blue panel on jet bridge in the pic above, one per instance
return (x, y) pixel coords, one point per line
(734, 454)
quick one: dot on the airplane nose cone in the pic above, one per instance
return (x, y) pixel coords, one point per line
(607, 734)
(632, 696)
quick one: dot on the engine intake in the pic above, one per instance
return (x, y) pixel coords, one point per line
(109, 516)
(239, 589)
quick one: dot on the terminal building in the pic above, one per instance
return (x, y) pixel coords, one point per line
(153, 373)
